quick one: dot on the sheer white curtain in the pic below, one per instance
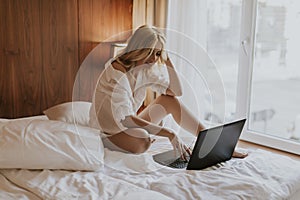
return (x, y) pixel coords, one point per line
(186, 43)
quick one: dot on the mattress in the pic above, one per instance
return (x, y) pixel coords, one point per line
(261, 175)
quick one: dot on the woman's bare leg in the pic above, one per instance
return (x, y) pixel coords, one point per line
(133, 140)
(164, 105)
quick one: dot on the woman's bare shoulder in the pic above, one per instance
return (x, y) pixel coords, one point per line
(118, 66)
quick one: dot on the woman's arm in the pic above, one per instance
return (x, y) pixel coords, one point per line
(175, 88)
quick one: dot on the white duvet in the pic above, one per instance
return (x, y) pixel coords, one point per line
(262, 175)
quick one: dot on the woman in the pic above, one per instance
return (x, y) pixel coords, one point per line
(121, 90)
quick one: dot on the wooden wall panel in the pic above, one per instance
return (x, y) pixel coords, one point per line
(59, 22)
(43, 43)
(23, 57)
(90, 70)
(6, 88)
(26, 68)
(106, 22)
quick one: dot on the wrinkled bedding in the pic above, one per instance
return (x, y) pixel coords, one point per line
(262, 175)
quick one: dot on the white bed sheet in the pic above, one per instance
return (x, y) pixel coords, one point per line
(9, 191)
(262, 175)
(295, 196)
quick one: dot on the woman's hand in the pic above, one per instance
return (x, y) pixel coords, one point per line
(180, 147)
(168, 61)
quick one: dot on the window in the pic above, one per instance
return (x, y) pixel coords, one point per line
(252, 46)
(273, 100)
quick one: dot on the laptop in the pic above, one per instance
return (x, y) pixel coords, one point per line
(213, 146)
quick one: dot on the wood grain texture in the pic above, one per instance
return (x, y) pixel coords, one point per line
(22, 57)
(6, 96)
(106, 22)
(59, 24)
(27, 73)
(42, 44)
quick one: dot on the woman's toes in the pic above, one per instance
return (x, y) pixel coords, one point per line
(237, 154)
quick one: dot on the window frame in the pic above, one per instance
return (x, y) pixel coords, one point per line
(245, 68)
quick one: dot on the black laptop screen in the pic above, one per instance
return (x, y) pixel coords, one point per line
(215, 145)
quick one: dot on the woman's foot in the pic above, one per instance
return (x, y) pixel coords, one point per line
(237, 154)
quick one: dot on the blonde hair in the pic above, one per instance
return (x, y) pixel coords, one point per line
(141, 45)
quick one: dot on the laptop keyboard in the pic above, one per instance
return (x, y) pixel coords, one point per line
(178, 163)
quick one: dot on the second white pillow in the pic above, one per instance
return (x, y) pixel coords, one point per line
(76, 112)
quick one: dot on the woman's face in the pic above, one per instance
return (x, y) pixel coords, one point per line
(154, 56)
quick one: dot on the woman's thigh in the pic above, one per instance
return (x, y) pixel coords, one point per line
(153, 113)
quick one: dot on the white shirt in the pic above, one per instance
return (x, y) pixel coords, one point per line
(118, 95)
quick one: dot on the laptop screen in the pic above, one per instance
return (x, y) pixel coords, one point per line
(215, 145)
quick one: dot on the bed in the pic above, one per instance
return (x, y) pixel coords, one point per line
(42, 158)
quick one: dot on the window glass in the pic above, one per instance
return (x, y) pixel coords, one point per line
(275, 97)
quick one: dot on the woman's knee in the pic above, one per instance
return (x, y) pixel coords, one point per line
(167, 97)
(140, 140)
(171, 105)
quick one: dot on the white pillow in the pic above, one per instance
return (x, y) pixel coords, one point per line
(76, 112)
(47, 144)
